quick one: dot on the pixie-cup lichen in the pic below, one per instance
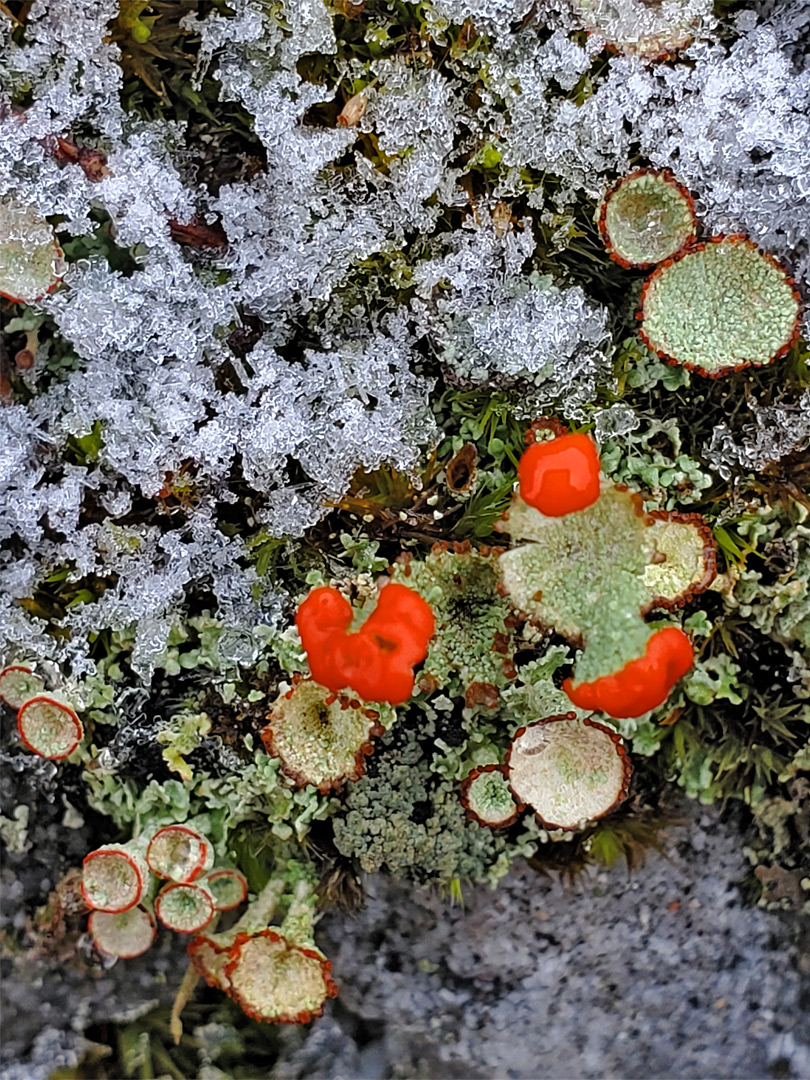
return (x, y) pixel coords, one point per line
(593, 574)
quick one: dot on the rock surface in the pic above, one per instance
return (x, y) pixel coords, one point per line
(665, 972)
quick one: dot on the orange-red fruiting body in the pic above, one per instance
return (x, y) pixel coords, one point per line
(377, 661)
(641, 684)
(560, 476)
(322, 619)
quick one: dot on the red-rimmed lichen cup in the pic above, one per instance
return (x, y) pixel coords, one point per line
(647, 217)
(179, 853)
(568, 771)
(31, 261)
(18, 684)
(720, 306)
(228, 887)
(186, 909)
(124, 934)
(320, 737)
(49, 727)
(488, 799)
(114, 879)
(277, 981)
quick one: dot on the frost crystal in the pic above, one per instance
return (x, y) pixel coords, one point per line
(496, 325)
(778, 430)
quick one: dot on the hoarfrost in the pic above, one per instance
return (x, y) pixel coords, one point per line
(498, 325)
(778, 430)
(153, 399)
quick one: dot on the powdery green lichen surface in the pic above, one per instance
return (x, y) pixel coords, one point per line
(184, 908)
(48, 726)
(591, 574)
(19, 684)
(486, 795)
(274, 979)
(646, 218)
(321, 737)
(472, 641)
(721, 306)
(687, 553)
(113, 878)
(568, 771)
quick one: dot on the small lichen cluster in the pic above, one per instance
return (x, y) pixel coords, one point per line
(406, 819)
(473, 644)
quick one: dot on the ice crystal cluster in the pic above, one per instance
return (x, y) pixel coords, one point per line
(149, 342)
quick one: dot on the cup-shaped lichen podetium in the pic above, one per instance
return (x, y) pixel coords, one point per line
(31, 261)
(649, 29)
(719, 307)
(685, 562)
(209, 957)
(320, 737)
(569, 771)
(592, 575)
(179, 853)
(49, 727)
(18, 684)
(646, 217)
(487, 798)
(275, 980)
(114, 878)
(185, 909)
(228, 888)
(124, 934)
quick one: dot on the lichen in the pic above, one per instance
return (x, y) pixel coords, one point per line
(569, 771)
(646, 217)
(125, 935)
(720, 307)
(320, 266)
(402, 817)
(276, 980)
(650, 30)
(321, 737)
(474, 638)
(487, 799)
(585, 575)
(31, 261)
